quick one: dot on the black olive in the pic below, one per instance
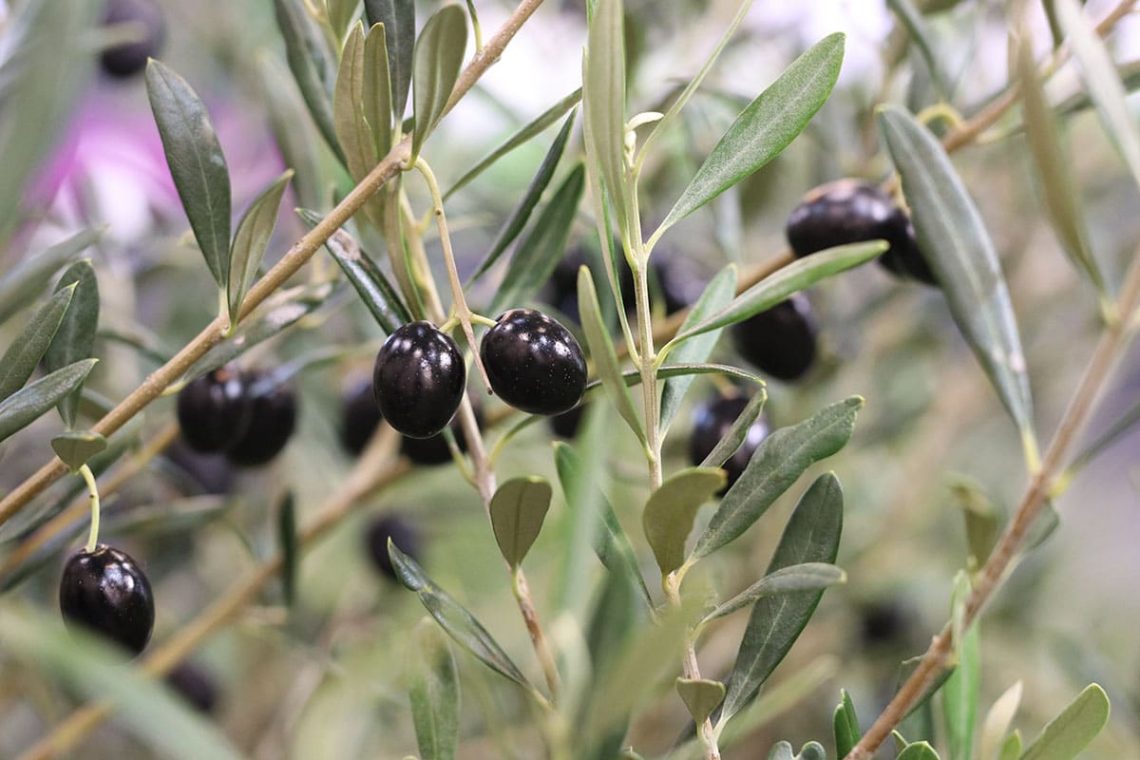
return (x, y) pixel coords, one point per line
(534, 363)
(781, 341)
(403, 535)
(214, 410)
(105, 591)
(272, 420)
(129, 58)
(712, 421)
(419, 379)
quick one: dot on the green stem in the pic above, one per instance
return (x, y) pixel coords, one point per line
(93, 495)
(475, 27)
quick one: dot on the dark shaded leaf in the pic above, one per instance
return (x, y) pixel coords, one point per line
(196, 163)
(287, 540)
(75, 338)
(25, 352)
(25, 406)
(779, 461)
(459, 624)
(438, 59)
(518, 509)
(250, 241)
(812, 535)
(668, 515)
(399, 20)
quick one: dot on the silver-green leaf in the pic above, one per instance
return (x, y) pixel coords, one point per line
(22, 283)
(603, 101)
(312, 63)
(250, 241)
(603, 353)
(352, 130)
(668, 515)
(25, 352)
(518, 509)
(378, 89)
(196, 163)
(438, 59)
(75, 338)
(1069, 733)
(807, 576)
(25, 406)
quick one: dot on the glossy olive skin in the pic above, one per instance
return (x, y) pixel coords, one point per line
(273, 417)
(195, 685)
(403, 535)
(780, 342)
(419, 379)
(534, 363)
(359, 417)
(434, 450)
(711, 422)
(128, 59)
(105, 591)
(849, 211)
(214, 410)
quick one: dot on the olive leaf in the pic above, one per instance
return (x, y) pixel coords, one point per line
(399, 20)
(1069, 733)
(25, 406)
(378, 90)
(918, 751)
(196, 163)
(778, 462)
(846, 726)
(961, 691)
(738, 433)
(25, 352)
(75, 448)
(312, 63)
(340, 15)
(995, 728)
(250, 241)
(22, 283)
(669, 513)
(518, 509)
(438, 58)
(75, 338)
(700, 695)
(287, 540)
(603, 354)
(434, 694)
(1011, 750)
(807, 576)
(352, 130)
(603, 102)
(459, 624)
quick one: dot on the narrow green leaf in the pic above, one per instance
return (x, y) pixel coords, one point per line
(312, 63)
(399, 20)
(522, 136)
(779, 461)
(251, 239)
(518, 509)
(522, 211)
(765, 127)
(807, 576)
(25, 406)
(716, 296)
(374, 289)
(783, 284)
(352, 129)
(846, 726)
(340, 14)
(616, 618)
(23, 283)
(161, 720)
(602, 351)
(438, 59)
(995, 728)
(434, 694)
(74, 448)
(378, 89)
(962, 689)
(919, 31)
(738, 433)
(611, 544)
(668, 515)
(459, 624)
(983, 521)
(536, 257)
(1102, 82)
(75, 338)
(918, 751)
(21, 358)
(293, 130)
(1074, 729)
(196, 163)
(1052, 164)
(287, 540)
(954, 240)
(1011, 750)
(812, 535)
(603, 102)
(700, 695)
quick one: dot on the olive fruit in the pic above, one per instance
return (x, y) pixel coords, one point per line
(434, 450)
(194, 685)
(534, 363)
(403, 535)
(273, 415)
(145, 18)
(214, 410)
(194, 473)
(105, 591)
(781, 341)
(850, 211)
(886, 623)
(359, 417)
(712, 421)
(419, 379)
(566, 425)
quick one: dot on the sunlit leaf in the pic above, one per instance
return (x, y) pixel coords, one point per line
(378, 89)
(352, 130)
(995, 728)
(196, 163)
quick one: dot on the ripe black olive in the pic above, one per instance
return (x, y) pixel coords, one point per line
(534, 363)
(194, 473)
(195, 685)
(145, 17)
(566, 425)
(403, 535)
(781, 341)
(712, 421)
(419, 379)
(849, 211)
(434, 450)
(272, 419)
(214, 410)
(105, 591)
(359, 417)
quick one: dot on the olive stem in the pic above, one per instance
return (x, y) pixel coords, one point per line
(92, 495)
(475, 28)
(459, 301)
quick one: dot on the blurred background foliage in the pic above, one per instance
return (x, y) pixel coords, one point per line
(326, 676)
